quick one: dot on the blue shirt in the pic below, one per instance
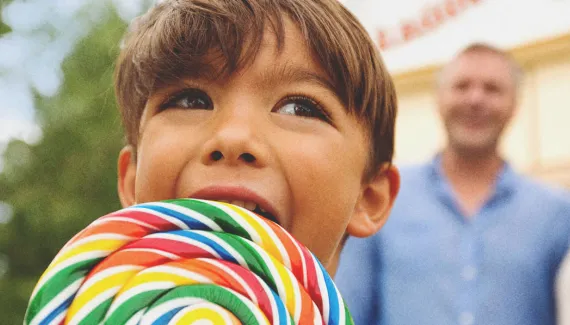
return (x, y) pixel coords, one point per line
(430, 265)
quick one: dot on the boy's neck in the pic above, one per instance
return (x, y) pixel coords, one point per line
(332, 266)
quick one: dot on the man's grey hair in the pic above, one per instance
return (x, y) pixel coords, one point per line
(517, 72)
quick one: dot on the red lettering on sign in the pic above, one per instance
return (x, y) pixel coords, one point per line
(461, 4)
(451, 8)
(432, 18)
(382, 40)
(410, 31)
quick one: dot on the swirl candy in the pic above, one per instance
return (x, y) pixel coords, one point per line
(185, 261)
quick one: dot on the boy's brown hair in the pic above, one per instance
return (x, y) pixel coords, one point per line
(178, 38)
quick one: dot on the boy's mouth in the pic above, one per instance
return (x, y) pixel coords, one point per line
(239, 196)
(253, 207)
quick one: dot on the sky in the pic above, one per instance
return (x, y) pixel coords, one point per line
(31, 60)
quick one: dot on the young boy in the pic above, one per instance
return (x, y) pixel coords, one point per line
(281, 106)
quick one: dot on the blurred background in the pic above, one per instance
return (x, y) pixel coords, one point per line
(418, 36)
(60, 132)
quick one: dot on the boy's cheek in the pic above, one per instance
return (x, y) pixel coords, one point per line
(324, 245)
(322, 227)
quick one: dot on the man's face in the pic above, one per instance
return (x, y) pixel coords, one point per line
(273, 136)
(477, 100)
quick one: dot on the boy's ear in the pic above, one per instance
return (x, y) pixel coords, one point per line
(127, 169)
(375, 202)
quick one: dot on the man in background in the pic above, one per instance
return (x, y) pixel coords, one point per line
(469, 240)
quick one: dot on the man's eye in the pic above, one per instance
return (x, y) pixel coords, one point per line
(492, 88)
(301, 106)
(188, 99)
(461, 85)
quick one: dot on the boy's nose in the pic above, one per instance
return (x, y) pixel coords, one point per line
(246, 156)
(236, 140)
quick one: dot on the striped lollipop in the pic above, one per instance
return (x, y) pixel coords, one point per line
(185, 261)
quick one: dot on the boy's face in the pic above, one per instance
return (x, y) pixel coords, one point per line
(273, 135)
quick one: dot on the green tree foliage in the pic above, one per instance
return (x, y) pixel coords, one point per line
(58, 186)
(3, 27)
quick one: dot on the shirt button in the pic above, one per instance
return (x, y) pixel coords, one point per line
(466, 319)
(469, 273)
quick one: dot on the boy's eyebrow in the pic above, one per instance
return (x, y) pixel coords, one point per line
(288, 73)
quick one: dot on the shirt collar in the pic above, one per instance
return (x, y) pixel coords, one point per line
(505, 184)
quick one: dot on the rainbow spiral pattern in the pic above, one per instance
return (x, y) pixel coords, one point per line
(185, 261)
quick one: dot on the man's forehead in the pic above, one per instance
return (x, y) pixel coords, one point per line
(483, 64)
(483, 61)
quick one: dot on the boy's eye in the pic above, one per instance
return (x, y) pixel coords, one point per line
(188, 99)
(301, 106)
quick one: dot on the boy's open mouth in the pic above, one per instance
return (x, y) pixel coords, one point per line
(254, 207)
(240, 196)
